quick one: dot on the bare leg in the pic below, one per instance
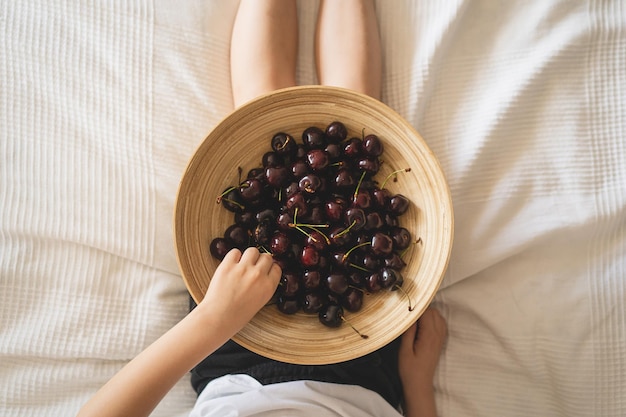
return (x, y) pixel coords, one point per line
(264, 48)
(347, 46)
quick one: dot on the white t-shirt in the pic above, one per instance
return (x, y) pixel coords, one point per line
(243, 396)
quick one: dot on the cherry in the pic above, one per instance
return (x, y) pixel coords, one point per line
(310, 183)
(394, 261)
(334, 151)
(288, 305)
(337, 282)
(372, 145)
(279, 243)
(317, 159)
(311, 279)
(371, 165)
(336, 132)
(381, 244)
(237, 236)
(372, 282)
(352, 299)
(381, 196)
(267, 215)
(314, 138)
(353, 147)
(373, 221)
(387, 277)
(318, 240)
(262, 233)
(219, 247)
(398, 204)
(309, 257)
(299, 168)
(231, 200)
(331, 315)
(284, 221)
(401, 237)
(312, 303)
(272, 159)
(344, 178)
(246, 219)
(297, 201)
(362, 199)
(284, 144)
(334, 209)
(355, 218)
(277, 176)
(289, 284)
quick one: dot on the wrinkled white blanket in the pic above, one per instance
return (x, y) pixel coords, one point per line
(524, 103)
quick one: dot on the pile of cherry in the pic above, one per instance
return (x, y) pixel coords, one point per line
(317, 208)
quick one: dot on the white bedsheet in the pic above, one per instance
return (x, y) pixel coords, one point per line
(524, 103)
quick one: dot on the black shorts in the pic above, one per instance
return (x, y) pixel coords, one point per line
(377, 371)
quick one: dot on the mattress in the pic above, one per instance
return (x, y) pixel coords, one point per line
(523, 102)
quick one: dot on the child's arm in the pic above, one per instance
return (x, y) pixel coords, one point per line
(241, 286)
(417, 360)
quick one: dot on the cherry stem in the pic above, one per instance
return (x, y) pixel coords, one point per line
(241, 206)
(395, 175)
(358, 266)
(228, 190)
(347, 229)
(356, 190)
(352, 249)
(403, 291)
(363, 336)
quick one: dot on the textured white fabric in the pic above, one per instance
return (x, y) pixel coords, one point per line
(244, 396)
(523, 102)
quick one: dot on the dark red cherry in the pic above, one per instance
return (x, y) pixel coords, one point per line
(331, 315)
(237, 236)
(277, 176)
(401, 238)
(344, 178)
(311, 279)
(262, 233)
(284, 221)
(317, 240)
(382, 244)
(317, 159)
(219, 247)
(352, 299)
(314, 138)
(310, 183)
(267, 215)
(246, 218)
(372, 282)
(353, 147)
(284, 144)
(372, 145)
(272, 159)
(394, 261)
(371, 165)
(355, 218)
(279, 243)
(288, 305)
(232, 201)
(289, 284)
(309, 257)
(336, 132)
(300, 168)
(398, 204)
(381, 197)
(373, 221)
(313, 302)
(335, 208)
(334, 151)
(387, 277)
(297, 201)
(338, 236)
(337, 282)
(362, 199)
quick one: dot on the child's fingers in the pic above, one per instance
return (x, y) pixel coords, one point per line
(233, 256)
(265, 262)
(250, 255)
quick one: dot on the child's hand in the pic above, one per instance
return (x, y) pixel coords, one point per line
(241, 286)
(420, 349)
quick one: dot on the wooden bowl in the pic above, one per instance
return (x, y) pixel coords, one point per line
(239, 141)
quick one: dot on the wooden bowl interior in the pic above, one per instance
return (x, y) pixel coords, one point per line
(239, 141)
